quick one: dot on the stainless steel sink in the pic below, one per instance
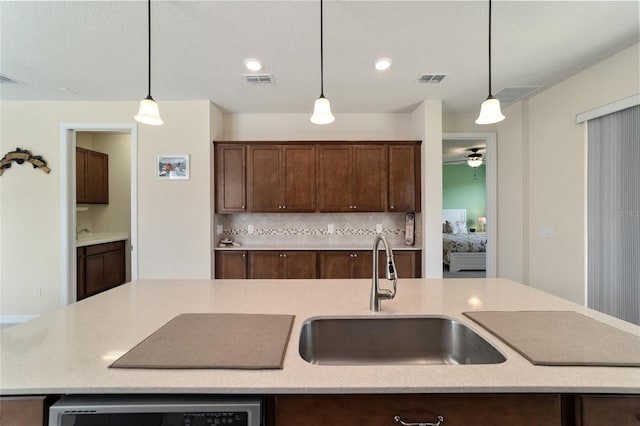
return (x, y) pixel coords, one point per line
(393, 340)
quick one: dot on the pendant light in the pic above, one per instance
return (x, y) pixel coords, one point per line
(149, 113)
(322, 108)
(490, 109)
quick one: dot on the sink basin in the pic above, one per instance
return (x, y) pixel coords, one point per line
(393, 340)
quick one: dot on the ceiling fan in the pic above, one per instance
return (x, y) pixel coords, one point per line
(475, 159)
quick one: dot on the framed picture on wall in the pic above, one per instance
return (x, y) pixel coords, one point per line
(173, 166)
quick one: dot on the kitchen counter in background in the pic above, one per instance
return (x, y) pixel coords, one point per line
(90, 239)
(319, 247)
(69, 350)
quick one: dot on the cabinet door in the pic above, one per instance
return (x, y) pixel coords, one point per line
(407, 263)
(104, 267)
(381, 410)
(299, 178)
(300, 265)
(263, 179)
(97, 178)
(361, 264)
(23, 410)
(369, 177)
(81, 285)
(114, 268)
(94, 280)
(81, 175)
(230, 178)
(231, 265)
(404, 179)
(265, 265)
(335, 264)
(334, 178)
(597, 410)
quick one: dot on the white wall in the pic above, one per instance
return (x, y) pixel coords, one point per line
(540, 180)
(174, 222)
(541, 174)
(427, 126)
(557, 153)
(273, 127)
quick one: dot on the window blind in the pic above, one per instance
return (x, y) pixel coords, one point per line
(613, 214)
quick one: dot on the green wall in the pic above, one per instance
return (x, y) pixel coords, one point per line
(461, 191)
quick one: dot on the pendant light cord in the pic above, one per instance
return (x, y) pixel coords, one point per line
(321, 56)
(490, 93)
(149, 33)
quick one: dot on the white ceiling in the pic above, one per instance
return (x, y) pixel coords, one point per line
(97, 50)
(458, 149)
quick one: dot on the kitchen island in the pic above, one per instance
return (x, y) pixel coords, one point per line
(68, 351)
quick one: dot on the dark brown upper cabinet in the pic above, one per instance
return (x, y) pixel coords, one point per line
(231, 194)
(281, 178)
(92, 177)
(404, 178)
(352, 178)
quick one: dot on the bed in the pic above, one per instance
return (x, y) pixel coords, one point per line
(462, 250)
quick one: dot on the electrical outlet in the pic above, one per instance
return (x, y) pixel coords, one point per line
(379, 228)
(545, 231)
(250, 229)
(37, 291)
(330, 228)
(219, 229)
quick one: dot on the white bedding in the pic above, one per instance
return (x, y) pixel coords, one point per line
(463, 243)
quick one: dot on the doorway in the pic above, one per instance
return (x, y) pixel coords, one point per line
(119, 141)
(469, 205)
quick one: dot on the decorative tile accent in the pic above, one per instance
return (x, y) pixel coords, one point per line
(312, 229)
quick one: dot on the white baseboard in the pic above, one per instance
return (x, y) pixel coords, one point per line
(15, 319)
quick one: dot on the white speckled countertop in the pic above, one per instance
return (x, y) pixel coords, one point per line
(69, 350)
(90, 239)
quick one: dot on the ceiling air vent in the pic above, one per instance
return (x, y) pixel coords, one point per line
(258, 79)
(512, 94)
(430, 78)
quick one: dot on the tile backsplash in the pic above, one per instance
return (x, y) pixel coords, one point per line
(313, 228)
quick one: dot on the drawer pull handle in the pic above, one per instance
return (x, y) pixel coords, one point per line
(402, 422)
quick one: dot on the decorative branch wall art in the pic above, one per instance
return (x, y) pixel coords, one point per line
(20, 156)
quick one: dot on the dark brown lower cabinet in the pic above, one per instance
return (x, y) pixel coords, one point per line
(408, 263)
(598, 410)
(381, 410)
(100, 267)
(231, 265)
(282, 265)
(359, 264)
(345, 264)
(294, 264)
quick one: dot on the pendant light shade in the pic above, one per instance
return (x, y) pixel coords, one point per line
(149, 112)
(490, 109)
(322, 107)
(322, 111)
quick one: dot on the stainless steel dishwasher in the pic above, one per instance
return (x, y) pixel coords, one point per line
(155, 410)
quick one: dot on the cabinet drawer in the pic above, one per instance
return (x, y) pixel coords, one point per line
(23, 411)
(621, 410)
(456, 410)
(104, 248)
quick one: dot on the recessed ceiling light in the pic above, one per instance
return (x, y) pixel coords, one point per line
(253, 64)
(383, 64)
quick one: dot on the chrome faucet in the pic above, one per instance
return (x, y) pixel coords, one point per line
(80, 231)
(377, 294)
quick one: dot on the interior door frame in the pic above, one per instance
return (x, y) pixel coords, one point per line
(68, 201)
(491, 187)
